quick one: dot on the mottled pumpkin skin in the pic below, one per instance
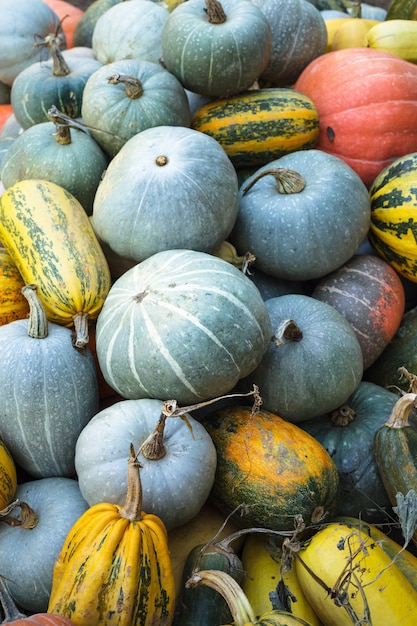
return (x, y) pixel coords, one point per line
(8, 476)
(13, 304)
(272, 466)
(368, 292)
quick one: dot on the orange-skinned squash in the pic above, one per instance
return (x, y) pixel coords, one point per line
(8, 476)
(13, 304)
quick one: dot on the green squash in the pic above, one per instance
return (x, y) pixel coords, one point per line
(182, 324)
(128, 96)
(348, 435)
(313, 362)
(216, 48)
(83, 35)
(302, 216)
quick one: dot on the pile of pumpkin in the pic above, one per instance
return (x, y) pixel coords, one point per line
(208, 312)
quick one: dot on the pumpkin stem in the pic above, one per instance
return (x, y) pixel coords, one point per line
(133, 86)
(215, 12)
(59, 65)
(288, 330)
(37, 322)
(80, 338)
(153, 447)
(161, 160)
(288, 181)
(62, 127)
(28, 518)
(11, 614)
(401, 411)
(132, 508)
(232, 592)
(342, 416)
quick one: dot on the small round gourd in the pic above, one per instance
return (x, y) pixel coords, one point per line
(176, 478)
(313, 362)
(302, 215)
(31, 541)
(216, 48)
(182, 324)
(169, 187)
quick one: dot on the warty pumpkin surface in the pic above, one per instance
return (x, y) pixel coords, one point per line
(272, 466)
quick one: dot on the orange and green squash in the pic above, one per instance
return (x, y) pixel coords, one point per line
(129, 549)
(260, 125)
(394, 215)
(346, 577)
(13, 304)
(50, 238)
(8, 476)
(367, 106)
(272, 466)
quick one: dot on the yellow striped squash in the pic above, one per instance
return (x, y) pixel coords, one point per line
(13, 304)
(51, 240)
(260, 125)
(8, 477)
(393, 228)
(114, 568)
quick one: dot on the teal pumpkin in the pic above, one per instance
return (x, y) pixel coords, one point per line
(182, 324)
(216, 48)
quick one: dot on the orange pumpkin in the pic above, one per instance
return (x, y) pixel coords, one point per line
(5, 112)
(13, 304)
(367, 105)
(69, 15)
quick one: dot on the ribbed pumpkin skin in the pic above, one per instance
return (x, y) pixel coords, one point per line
(394, 214)
(370, 295)
(135, 586)
(77, 166)
(36, 89)
(198, 323)
(335, 549)
(64, 258)
(258, 126)
(367, 105)
(8, 476)
(13, 304)
(271, 465)
(216, 59)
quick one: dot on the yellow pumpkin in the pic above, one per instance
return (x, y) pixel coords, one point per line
(347, 576)
(351, 33)
(8, 477)
(114, 567)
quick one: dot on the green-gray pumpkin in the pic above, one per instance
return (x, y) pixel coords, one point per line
(169, 187)
(182, 324)
(313, 362)
(127, 96)
(216, 48)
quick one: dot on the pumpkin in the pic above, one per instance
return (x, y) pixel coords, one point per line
(6, 111)
(231, 36)
(83, 34)
(13, 304)
(351, 33)
(60, 152)
(367, 105)
(56, 82)
(395, 446)
(397, 37)
(271, 466)
(177, 473)
(65, 260)
(43, 412)
(299, 35)
(13, 615)
(24, 22)
(32, 535)
(69, 14)
(348, 434)
(349, 577)
(313, 362)
(295, 214)
(259, 125)
(239, 605)
(8, 476)
(393, 211)
(129, 548)
(370, 295)
(129, 30)
(266, 582)
(125, 97)
(162, 179)
(181, 307)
